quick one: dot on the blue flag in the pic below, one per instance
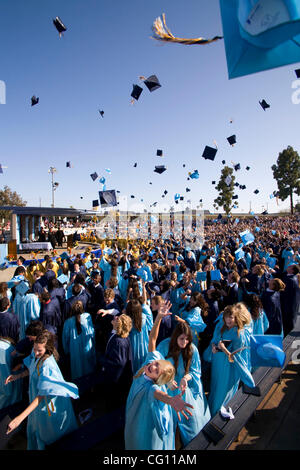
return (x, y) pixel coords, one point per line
(266, 351)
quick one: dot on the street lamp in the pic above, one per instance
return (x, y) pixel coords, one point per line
(54, 185)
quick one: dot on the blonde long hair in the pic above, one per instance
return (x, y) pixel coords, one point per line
(167, 374)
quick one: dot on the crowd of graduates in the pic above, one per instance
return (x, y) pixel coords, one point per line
(142, 326)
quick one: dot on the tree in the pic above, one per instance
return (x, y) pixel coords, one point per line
(9, 198)
(226, 190)
(287, 175)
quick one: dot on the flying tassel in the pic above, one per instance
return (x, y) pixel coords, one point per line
(162, 33)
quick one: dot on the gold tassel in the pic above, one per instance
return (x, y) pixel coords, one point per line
(162, 33)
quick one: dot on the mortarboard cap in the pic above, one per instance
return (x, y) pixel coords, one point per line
(68, 164)
(159, 153)
(256, 191)
(165, 191)
(297, 72)
(187, 189)
(183, 165)
(94, 176)
(209, 153)
(152, 83)
(223, 162)
(235, 197)
(101, 113)
(95, 203)
(181, 198)
(135, 165)
(264, 104)
(59, 25)
(232, 139)
(136, 92)
(236, 184)
(108, 198)
(247, 167)
(132, 196)
(213, 182)
(34, 100)
(160, 169)
(237, 167)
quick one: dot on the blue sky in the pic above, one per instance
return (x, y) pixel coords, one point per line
(106, 48)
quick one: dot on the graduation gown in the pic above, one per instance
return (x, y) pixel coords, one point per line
(27, 308)
(272, 307)
(54, 416)
(9, 326)
(193, 395)
(139, 343)
(149, 423)
(80, 347)
(12, 392)
(290, 302)
(51, 313)
(226, 376)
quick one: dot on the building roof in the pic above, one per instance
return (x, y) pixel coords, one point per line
(48, 211)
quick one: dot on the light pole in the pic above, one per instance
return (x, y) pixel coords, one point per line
(54, 185)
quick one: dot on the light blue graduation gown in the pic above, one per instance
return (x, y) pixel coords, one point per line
(194, 319)
(146, 310)
(139, 343)
(27, 308)
(148, 422)
(54, 416)
(80, 347)
(226, 376)
(193, 395)
(12, 392)
(261, 324)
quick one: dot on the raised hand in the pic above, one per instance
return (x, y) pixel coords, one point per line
(180, 406)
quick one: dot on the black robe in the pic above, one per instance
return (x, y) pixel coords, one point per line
(9, 326)
(272, 307)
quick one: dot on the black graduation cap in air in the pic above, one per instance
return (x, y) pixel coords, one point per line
(94, 176)
(135, 165)
(132, 196)
(200, 200)
(152, 83)
(297, 72)
(159, 153)
(232, 140)
(213, 182)
(136, 92)
(165, 192)
(223, 162)
(96, 203)
(68, 164)
(242, 186)
(34, 100)
(256, 191)
(264, 104)
(150, 182)
(183, 165)
(81, 197)
(247, 167)
(235, 197)
(181, 198)
(237, 167)
(101, 113)
(59, 25)
(187, 190)
(236, 184)
(160, 169)
(209, 153)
